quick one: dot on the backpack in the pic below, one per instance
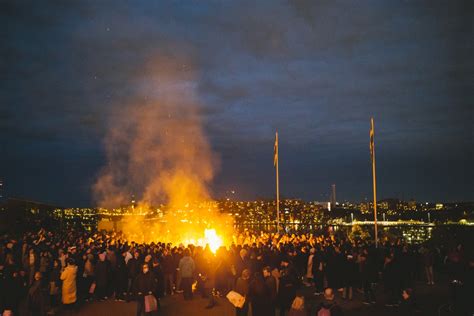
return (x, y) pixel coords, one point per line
(324, 311)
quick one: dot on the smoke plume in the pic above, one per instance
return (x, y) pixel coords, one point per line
(156, 149)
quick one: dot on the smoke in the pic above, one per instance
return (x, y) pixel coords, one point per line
(156, 149)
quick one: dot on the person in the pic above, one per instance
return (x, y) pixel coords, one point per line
(318, 271)
(428, 261)
(143, 285)
(391, 280)
(102, 277)
(133, 268)
(271, 285)
(223, 272)
(44, 264)
(466, 301)
(68, 276)
(168, 270)
(309, 276)
(177, 255)
(455, 260)
(14, 287)
(287, 286)
(186, 268)
(31, 267)
(55, 283)
(368, 274)
(36, 300)
(121, 278)
(335, 265)
(88, 275)
(329, 306)
(159, 280)
(405, 264)
(407, 306)
(242, 287)
(260, 297)
(242, 262)
(208, 278)
(351, 274)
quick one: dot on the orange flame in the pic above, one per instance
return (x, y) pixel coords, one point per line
(157, 149)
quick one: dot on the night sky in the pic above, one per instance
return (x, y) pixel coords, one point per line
(315, 70)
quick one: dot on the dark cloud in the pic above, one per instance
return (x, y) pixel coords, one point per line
(314, 70)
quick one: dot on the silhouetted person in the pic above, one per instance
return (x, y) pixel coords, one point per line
(329, 305)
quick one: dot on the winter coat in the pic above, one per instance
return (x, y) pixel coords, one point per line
(242, 286)
(102, 271)
(143, 284)
(121, 275)
(37, 299)
(260, 298)
(68, 276)
(159, 281)
(271, 284)
(350, 272)
(13, 292)
(168, 264)
(287, 288)
(55, 275)
(133, 267)
(186, 266)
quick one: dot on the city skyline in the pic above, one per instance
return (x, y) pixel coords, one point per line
(69, 69)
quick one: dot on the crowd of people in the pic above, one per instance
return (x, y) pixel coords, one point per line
(46, 271)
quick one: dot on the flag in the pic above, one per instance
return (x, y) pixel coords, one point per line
(275, 150)
(372, 139)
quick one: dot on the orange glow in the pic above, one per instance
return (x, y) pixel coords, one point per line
(156, 149)
(197, 226)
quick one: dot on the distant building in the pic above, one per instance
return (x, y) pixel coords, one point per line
(389, 204)
(364, 207)
(412, 205)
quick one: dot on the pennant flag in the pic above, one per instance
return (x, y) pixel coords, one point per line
(275, 150)
(372, 139)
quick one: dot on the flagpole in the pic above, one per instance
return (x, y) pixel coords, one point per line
(374, 182)
(277, 184)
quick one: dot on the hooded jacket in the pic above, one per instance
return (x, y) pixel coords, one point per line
(68, 276)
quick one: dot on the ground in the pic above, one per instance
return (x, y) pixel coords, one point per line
(432, 301)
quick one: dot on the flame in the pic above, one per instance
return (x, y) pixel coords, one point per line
(210, 239)
(214, 241)
(156, 148)
(195, 226)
